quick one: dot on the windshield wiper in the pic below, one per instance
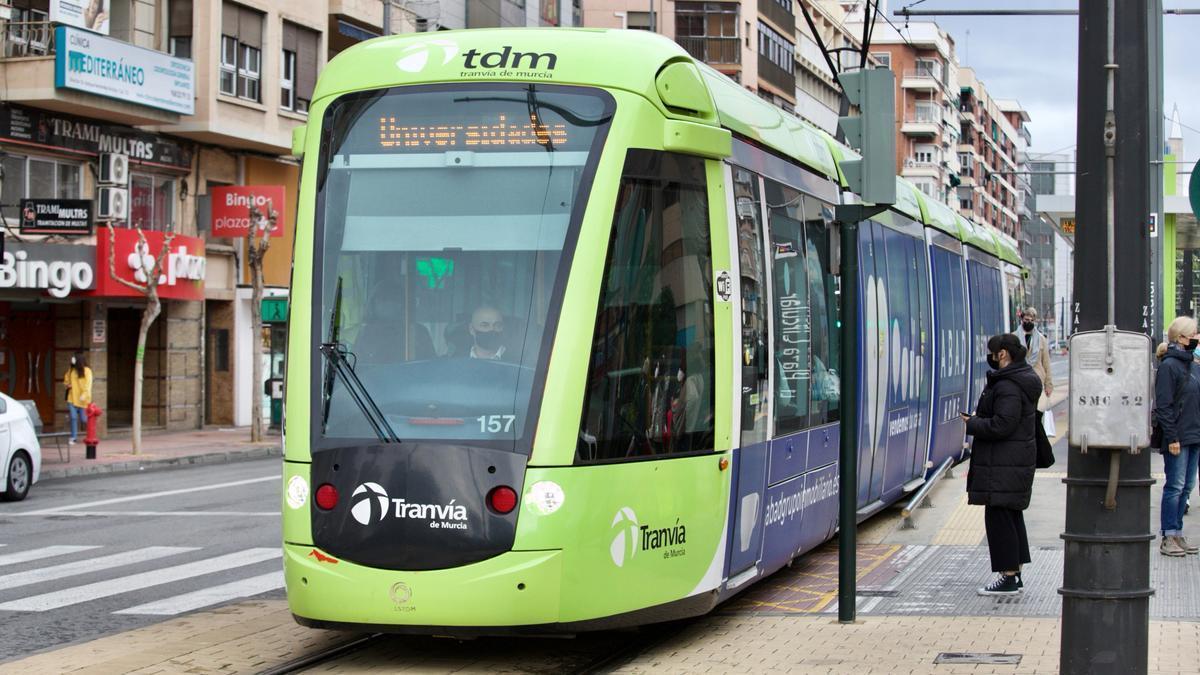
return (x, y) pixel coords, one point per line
(340, 366)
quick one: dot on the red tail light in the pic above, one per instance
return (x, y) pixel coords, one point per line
(502, 500)
(327, 497)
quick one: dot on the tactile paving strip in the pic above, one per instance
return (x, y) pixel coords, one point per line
(944, 581)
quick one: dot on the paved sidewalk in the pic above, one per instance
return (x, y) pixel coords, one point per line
(202, 446)
(890, 644)
(254, 636)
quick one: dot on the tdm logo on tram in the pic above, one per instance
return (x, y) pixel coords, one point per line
(416, 58)
(370, 503)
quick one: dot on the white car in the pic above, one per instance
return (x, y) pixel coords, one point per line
(19, 450)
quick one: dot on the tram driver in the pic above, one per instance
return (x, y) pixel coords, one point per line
(487, 334)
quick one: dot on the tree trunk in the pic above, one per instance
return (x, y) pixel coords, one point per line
(149, 314)
(256, 392)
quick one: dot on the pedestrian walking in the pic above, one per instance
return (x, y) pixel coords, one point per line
(1037, 351)
(1177, 416)
(1003, 457)
(79, 392)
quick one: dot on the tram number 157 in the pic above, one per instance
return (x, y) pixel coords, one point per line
(494, 424)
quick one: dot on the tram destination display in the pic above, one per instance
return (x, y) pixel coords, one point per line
(56, 216)
(468, 118)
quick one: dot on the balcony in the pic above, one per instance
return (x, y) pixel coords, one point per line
(776, 77)
(920, 79)
(923, 123)
(715, 51)
(27, 65)
(913, 168)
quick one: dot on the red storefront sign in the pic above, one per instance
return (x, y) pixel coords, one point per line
(231, 208)
(182, 273)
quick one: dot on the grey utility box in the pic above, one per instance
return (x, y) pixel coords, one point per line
(1111, 396)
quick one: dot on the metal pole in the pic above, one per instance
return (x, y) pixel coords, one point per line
(848, 467)
(1106, 574)
(387, 17)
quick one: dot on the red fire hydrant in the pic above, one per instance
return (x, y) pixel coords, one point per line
(93, 412)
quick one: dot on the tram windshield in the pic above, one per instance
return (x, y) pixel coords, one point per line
(446, 216)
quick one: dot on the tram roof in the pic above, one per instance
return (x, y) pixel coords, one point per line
(1007, 247)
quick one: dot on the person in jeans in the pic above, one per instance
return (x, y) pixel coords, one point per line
(1177, 410)
(1003, 458)
(79, 392)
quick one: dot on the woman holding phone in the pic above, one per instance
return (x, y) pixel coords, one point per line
(1003, 458)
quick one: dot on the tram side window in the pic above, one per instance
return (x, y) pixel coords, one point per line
(823, 301)
(792, 309)
(649, 390)
(755, 364)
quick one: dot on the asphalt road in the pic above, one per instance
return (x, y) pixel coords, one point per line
(86, 557)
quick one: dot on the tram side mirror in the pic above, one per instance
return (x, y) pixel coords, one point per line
(835, 249)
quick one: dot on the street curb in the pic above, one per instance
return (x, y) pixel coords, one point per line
(135, 466)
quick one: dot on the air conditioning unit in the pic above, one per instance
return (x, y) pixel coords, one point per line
(114, 168)
(113, 203)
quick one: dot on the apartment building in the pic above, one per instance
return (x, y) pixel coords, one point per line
(765, 45)
(989, 152)
(927, 101)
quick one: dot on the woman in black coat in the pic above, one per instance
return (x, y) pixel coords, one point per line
(1003, 455)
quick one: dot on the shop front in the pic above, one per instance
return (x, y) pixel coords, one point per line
(44, 155)
(44, 295)
(173, 355)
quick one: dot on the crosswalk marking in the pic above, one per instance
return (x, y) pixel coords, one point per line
(134, 582)
(64, 570)
(39, 553)
(210, 596)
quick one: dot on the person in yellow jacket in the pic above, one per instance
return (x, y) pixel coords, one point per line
(79, 391)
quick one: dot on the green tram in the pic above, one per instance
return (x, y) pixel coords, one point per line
(563, 348)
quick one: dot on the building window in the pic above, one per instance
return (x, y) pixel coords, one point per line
(776, 48)
(241, 55)
(298, 67)
(785, 4)
(650, 388)
(152, 202)
(927, 111)
(923, 154)
(638, 21)
(179, 28)
(40, 178)
(883, 58)
(287, 80)
(708, 30)
(249, 73)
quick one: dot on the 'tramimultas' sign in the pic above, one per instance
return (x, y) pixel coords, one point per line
(100, 65)
(56, 216)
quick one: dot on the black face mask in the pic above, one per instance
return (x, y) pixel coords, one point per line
(993, 362)
(1192, 344)
(488, 340)
(1028, 326)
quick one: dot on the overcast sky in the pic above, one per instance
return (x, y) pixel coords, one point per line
(1034, 60)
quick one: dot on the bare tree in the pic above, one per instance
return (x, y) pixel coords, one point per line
(258, 240)
(148, 274)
